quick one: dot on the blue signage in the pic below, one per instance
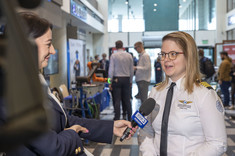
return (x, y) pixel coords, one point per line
(78, 11)
(139, 119)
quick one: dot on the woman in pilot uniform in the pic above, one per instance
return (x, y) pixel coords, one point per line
(196, 119)
(64, 138)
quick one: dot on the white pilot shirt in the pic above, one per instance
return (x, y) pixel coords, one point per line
(196, 123)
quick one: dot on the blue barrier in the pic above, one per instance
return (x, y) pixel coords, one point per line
(102, 99)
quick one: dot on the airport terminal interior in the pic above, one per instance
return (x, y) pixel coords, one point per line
(84, 30)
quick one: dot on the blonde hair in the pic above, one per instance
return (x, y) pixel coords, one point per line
(188, 45)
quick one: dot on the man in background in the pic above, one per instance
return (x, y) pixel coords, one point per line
(158, 70)
(121, 73)
(104, 64)
(224, 78)
(143, 72)
(206, 66)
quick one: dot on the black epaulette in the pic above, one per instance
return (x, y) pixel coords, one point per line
(205, 84)
(157, 84)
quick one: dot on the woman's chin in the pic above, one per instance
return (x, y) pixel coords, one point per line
(168, 73)
(44, 64)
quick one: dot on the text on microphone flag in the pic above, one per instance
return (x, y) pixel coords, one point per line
(139, 119)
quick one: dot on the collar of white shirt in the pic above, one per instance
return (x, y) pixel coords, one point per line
(179, 83)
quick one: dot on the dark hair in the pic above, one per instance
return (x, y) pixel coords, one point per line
(37, 26)
(96, 56)
(201, 52)
(224, 53)
(104, 55)
(119, 44)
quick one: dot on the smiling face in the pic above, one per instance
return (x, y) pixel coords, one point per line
(174, 69)
(45, 48)
(139, 47)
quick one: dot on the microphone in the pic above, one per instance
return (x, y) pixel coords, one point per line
(138, 117)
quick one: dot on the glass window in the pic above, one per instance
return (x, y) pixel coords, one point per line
(197, 15)
(233, 4)
(230, 5)
(127, 15)
(231, 34)
(233, 38)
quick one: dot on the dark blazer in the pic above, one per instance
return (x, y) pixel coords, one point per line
(106, 67)
(158, 72)
(60, 142)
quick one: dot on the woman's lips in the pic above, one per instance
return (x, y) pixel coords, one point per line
(168, 66)
(47, 58)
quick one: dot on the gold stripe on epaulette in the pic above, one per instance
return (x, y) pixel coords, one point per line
(205, 84)
(157, 84)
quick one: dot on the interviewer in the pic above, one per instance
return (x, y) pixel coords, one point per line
(63, 138)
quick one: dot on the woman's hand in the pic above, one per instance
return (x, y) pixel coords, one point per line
(120, 126)
(78, 128)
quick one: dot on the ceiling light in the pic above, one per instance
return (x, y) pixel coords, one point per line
(180, 6)
(155, 4)
(126, 2)
(154, 9)
(184, 0)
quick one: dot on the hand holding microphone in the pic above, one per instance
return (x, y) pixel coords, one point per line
(120, 126)
(138, 117)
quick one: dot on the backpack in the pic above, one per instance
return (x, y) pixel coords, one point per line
(209, 69)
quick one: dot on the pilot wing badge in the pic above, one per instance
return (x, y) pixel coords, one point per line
(183, 104)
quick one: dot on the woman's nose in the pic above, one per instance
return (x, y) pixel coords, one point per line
(52, 50)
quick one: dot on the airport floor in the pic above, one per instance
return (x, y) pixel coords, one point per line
(130, 147)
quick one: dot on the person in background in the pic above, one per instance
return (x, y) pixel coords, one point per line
(97, 58)
(76, 67)
(158, 70)
(91, 59)
(134, 74)
(232, 74)
(224, 78)
(191, 116)
(135, 61)
(143, 72)
(104, 64)
(65, 135)
(206, 67)
(121, 73)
